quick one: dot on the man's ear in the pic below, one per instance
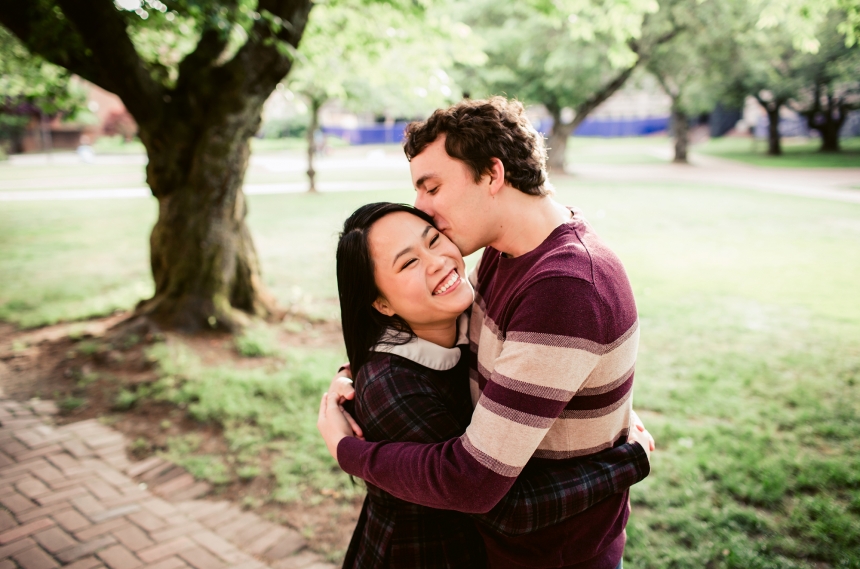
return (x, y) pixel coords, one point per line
(381, 305)
(496, 175)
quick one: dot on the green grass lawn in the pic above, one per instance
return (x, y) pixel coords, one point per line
(797, 153)
(748, 374)
(116, 145)
(621, 150)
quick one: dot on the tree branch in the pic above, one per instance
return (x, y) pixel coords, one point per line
(259, 64)
(103, 31)
(212, 43)
(636, 47)
(196, 65)
(52, 37)
(665, 84)
(584, 108)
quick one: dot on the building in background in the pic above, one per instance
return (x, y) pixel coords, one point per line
(103, 115)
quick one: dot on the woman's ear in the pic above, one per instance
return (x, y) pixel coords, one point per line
(382, 306)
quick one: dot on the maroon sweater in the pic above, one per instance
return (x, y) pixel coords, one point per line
(554, 335)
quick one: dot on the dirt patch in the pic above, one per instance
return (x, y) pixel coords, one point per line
(83, 368)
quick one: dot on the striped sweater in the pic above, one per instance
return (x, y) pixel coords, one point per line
(554, 335)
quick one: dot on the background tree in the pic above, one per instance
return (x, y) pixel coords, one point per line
(372, 59)
(768, 46)
(194, 74)
(778, 51)
(831, 82)
(30, 87)
(693, 67)
(569, 56)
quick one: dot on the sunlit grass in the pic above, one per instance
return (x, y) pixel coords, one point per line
(748, 373)
(797, 153)
(621, 150)
(268, 415)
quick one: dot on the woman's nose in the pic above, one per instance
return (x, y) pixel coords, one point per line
(435, 263)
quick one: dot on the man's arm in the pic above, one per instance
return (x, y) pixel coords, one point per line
(532, 381)
(550, 493)
(404, 407)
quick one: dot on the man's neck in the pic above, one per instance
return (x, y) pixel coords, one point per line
(526, 221)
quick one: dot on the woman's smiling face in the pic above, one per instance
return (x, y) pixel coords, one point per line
(420, 273)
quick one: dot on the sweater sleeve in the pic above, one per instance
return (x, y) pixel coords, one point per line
(548, 494)
(534, 377)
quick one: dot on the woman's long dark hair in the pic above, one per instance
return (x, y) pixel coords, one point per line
(363, 325)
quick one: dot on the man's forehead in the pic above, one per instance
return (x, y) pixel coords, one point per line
(432, 167)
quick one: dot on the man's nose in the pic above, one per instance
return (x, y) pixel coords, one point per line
(423, 202)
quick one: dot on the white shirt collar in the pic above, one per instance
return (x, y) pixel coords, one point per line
(427, 353)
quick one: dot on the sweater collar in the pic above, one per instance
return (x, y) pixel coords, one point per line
(427, 353)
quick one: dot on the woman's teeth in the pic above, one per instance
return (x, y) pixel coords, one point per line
(447, 284)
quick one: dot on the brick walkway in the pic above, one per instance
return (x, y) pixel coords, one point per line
(70, 497)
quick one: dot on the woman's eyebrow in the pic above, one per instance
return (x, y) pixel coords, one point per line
(400, 254)
(407, 249)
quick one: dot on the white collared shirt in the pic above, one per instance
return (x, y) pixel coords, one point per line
(427, 353)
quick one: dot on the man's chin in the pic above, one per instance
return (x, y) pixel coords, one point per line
(465, 250)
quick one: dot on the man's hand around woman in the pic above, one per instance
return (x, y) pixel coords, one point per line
(639, 434)
(335, 423)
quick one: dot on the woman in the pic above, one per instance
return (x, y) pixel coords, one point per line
(403, 294)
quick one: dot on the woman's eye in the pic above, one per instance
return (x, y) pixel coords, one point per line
(434, 240)
(406, 265)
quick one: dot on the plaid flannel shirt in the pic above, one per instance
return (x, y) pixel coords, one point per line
(400, 400)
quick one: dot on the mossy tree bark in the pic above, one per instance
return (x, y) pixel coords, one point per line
(196, 132)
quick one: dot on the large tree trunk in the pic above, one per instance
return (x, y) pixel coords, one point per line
(681, 132)
(203, 259)
(557, 142)
(195, 130)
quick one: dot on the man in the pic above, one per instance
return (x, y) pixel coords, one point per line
(553, 333)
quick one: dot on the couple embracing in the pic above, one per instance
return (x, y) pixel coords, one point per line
(491, 414)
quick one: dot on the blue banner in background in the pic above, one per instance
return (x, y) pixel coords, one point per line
(376, 134)
(613, 127)
(380, 134)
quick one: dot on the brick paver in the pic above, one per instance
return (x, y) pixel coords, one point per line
(69, 497)
(35, 558)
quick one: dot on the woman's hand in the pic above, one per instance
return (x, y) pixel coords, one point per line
(335, 424)
(639, 434)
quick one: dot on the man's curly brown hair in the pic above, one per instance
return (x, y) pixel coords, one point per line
(476, 131)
